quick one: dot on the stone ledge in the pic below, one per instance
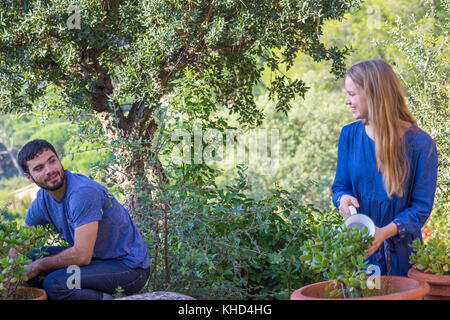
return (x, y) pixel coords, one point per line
(157, 295)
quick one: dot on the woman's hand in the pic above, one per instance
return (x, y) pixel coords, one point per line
(381, 234)
(377, 241)
(346, 201)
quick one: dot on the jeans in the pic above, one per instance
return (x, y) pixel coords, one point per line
(95, 279)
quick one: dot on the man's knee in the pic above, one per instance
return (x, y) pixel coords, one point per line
(55, 284)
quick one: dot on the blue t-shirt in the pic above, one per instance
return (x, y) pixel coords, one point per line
(86, 201)
(356, 176)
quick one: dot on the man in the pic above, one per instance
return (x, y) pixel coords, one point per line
(106, 250)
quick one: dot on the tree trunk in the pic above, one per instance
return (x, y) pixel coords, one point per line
(139, 173)
(137, 169)
(9, 151)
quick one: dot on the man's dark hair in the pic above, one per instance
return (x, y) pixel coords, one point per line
(30, 150)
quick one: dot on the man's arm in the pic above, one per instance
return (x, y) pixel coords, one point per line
(79, 254)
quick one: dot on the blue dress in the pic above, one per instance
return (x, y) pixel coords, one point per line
(356, 176)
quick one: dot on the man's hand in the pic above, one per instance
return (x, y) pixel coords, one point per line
(346, 201)
(13, 252)
(34, 269)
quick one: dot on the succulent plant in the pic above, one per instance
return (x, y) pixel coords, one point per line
(339, 255)
(433, 254)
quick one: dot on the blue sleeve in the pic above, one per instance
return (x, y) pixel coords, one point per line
(85, 206)
(35, 214)
(411, 220)
(342, 183)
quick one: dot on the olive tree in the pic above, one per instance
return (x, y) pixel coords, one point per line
(119, 60)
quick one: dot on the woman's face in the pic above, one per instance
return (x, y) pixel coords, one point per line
(356, 99)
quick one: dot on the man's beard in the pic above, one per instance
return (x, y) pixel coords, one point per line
(55, 187)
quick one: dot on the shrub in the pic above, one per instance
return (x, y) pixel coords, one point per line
(338, 255)
(223, 244)
(433, 254)
(12, 270)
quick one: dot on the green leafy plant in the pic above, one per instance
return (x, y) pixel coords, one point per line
(119, 293)
(433, 254)
(339, 255)
(13, 272)
(224, 244)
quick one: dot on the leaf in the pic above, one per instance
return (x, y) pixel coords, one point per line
(354, 282)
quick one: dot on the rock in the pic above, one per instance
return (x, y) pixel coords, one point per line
(157, 295)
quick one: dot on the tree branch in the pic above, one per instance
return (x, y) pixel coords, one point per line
(210, 12)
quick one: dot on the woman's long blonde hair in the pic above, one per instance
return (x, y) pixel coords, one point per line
(386, 107)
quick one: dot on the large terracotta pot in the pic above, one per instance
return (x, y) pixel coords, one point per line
(403, 288)
(439, 284)
(30, 293)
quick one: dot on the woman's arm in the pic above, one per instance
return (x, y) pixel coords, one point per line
(410, 221)
(342, 187)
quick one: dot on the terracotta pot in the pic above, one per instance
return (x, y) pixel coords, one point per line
(439, 284)
(403, 288)
(35, 293)
(426, 233)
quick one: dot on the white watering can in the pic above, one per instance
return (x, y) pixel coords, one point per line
(360, 221)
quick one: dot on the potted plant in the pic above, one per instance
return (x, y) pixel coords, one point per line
(13, 273)
(431, 258)
(338, 254)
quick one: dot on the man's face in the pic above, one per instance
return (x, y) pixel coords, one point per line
(46, 171)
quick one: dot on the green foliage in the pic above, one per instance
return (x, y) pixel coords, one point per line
(246, 63)
(16, 207)
(141, 46)
(128, 57)
(339, 255)
(433, 257)
(57, 132)
(422, 42)
(433, 254)
(119, 293)
(23, 239)
(308, 139)
(221, 243)
(81, 156)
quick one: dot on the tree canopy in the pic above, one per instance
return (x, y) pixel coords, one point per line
(128, 57)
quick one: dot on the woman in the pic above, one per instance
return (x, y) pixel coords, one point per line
(386, 167)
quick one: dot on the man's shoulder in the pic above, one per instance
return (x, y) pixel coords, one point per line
(80, 182)
(40, 198)
(80, 186)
